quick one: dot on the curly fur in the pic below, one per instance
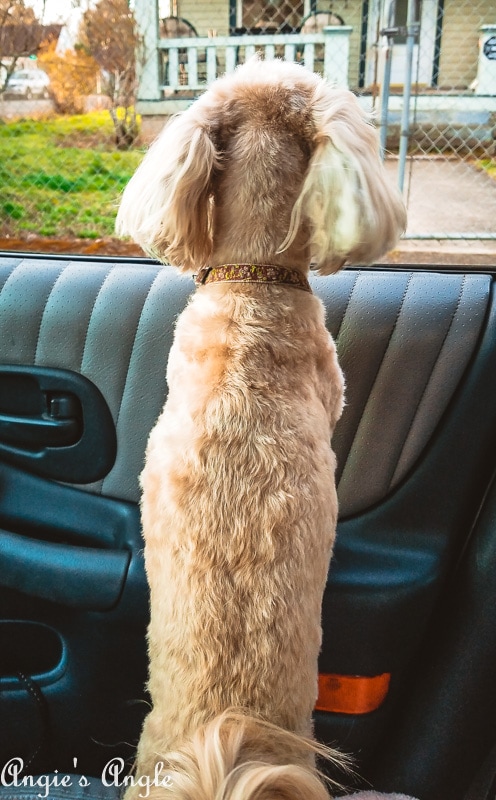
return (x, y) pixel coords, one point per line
(270, 165)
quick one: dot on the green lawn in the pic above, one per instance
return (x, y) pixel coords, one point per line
(62, 176)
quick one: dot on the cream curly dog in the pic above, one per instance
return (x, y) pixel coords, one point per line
(269, 170)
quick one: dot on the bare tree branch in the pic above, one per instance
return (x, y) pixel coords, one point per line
(110, 35)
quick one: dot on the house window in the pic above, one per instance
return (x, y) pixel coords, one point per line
(401, 10)
(268, 16)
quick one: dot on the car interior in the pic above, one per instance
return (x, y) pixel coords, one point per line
(407, 662)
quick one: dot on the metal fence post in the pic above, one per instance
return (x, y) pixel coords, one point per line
(388, 33)
(386, 80)
(412, 27)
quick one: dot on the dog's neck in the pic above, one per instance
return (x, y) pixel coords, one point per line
(253, 273)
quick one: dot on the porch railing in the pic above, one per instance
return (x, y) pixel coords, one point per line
(193, 63)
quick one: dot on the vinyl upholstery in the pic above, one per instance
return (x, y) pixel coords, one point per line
(114, 324)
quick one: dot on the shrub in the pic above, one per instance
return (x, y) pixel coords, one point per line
(73, 75)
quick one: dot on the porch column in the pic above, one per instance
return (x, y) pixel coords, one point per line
(146, 14)
(337, 54)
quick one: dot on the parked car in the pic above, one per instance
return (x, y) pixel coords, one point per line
(409, 653)
(28, 83)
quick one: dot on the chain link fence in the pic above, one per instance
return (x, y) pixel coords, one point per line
(84, 87)
(440, 115)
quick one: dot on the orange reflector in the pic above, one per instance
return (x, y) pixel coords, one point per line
(352, 694)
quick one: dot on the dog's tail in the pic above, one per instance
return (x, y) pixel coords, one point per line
(240, 757)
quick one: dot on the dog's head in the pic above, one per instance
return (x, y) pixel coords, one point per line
(270, 163)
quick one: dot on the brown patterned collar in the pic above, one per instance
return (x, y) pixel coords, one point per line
(252, 273)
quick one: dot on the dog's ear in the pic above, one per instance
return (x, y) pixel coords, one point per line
(167, 205)
(353, 211)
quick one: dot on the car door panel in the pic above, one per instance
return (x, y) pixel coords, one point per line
(71, 549)
(460, 650)
(415, 451)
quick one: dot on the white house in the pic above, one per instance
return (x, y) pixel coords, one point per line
(188, 42)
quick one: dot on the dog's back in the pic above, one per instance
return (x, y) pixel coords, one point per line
(239, 513)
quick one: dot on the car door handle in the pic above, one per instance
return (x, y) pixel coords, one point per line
(87, 578)
(55, 423)
(36, 432)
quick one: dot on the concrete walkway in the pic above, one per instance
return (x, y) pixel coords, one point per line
(446, 197)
